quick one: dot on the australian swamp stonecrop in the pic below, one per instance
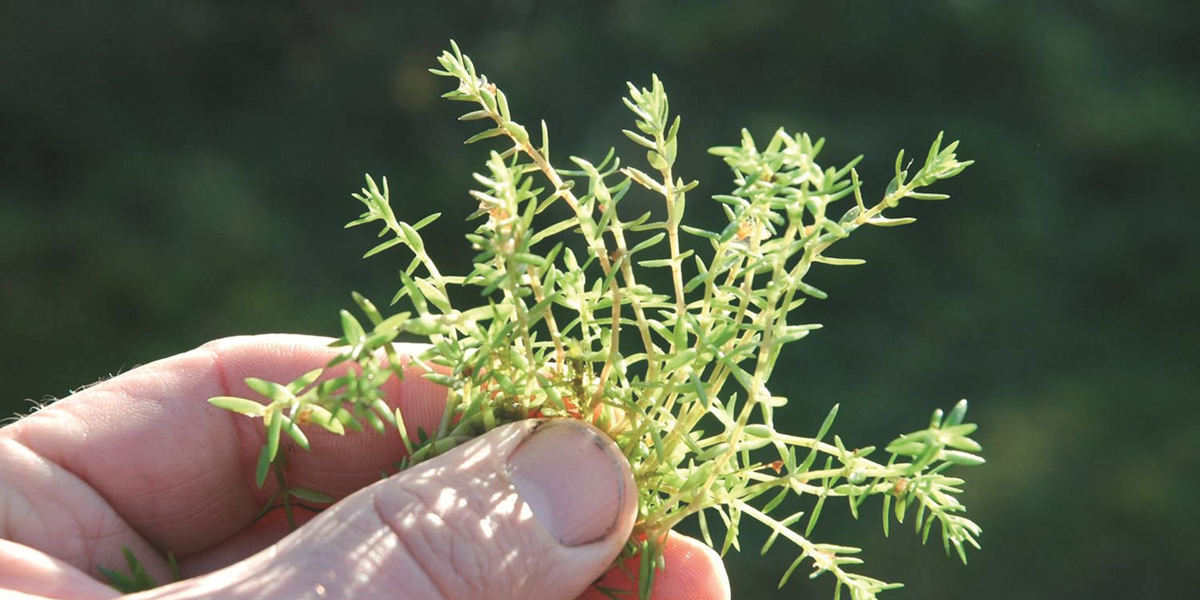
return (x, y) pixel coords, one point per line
(555, 319)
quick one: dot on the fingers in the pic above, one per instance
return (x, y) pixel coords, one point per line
(34, 574)
(145, 453)
(143, 460)
(529, 510)
(693, 572)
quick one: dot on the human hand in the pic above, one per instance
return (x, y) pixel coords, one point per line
(536, 509)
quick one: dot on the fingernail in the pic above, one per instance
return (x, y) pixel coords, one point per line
(570, 477)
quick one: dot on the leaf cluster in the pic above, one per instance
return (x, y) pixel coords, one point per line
(138, 580)
(560, 326)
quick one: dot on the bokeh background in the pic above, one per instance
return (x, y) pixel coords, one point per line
(174, 172)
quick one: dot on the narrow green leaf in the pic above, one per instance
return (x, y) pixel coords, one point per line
(308, 495)
(381, 247)
(324, 418)
(964, 459)
(639, 140)
(239, 405)
(656, 263)
(483, 135)
(885, 222)
(300, 383)
(704, 533)
(681, 358)
(293, 431)
(474, 115)
(887, 503)
(412, 238)
(400, 426)
(811, 290)
(788, 573)
(351, 329)
(775, 502)
(274, 426)
(759, 430)
(934, 149)
(957, 414)
(839, 261)
(657, 161)
(264, 464)
(648, 243)
(269, 389)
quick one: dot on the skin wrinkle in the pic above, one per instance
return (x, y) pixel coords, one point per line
(406, 536)
(403, 544)
(434, 544)
(22, 432)
(202, 512)
(218, 367)
(109, 526)
(82, 554)
(26, 570)
(208, 362)
(7, 501)
(621, 491)
(63, 421)
(247, 434)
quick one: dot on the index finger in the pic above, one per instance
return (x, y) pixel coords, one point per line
(178, 471)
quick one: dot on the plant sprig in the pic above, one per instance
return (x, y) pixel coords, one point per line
(138, 580)
(677, 378)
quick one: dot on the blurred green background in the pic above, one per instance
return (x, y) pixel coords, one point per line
(174, 172)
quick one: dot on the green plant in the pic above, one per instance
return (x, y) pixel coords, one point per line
(138, 579)
(561, 327)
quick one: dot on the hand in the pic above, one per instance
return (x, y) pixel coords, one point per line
(536, 509)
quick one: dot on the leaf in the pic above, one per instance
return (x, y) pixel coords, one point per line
(884, 222)
(367, 307)
(239, 405)
(964, 459)
(351, 328)
(325, 419)
(904, 446)
(839, 261)
(656, 263)
(269, 389)
(264, 463)
(648, 243)
(811, 290)
(657, 161)
(382, 247)
(298, 384)
(645, 180)
(274, 425)
(308, 495)
(926, 196)
(138, 579)
(957, 414)
(404, 439)
(475, 115)
(483, 135)
(412, 238)
(637, 139)
(934, 149)
(696, 231)
(681, 358)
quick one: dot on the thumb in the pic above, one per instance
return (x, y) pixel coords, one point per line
(535, 509)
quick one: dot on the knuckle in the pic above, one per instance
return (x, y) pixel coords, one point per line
(467, 545)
